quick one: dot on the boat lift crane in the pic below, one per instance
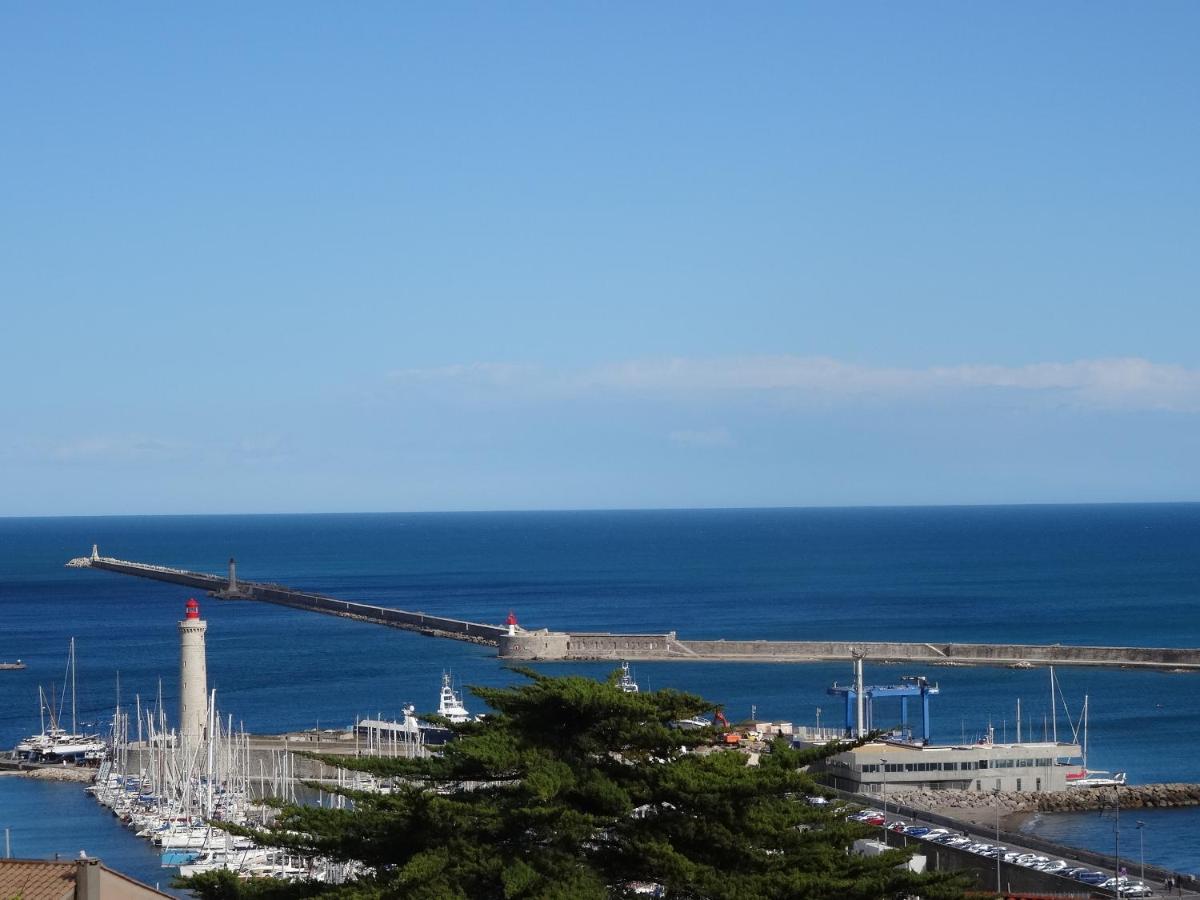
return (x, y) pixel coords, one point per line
(911, 686)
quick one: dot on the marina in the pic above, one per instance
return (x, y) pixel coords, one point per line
(176, 787)
(284, 669)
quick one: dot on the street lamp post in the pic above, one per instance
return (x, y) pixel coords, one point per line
(1117, 844)
(998, 855)
(883, 772)
(1142, 848)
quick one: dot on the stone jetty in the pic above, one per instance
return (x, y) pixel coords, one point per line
(1137, 796)
(82, 775)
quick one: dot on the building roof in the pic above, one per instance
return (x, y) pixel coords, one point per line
(875, 748)
(37, 879)
(30, 879)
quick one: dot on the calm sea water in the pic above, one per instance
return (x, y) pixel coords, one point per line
(1069, 574)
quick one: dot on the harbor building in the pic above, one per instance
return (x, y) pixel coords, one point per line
(906, 760)
(883, 766)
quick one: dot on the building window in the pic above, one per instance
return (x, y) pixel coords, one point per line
(1018, 784)
(978, 786)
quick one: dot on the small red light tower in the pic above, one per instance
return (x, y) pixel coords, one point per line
(511, 622)
(192, 609)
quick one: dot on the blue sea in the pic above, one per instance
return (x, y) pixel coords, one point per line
(1119, 574)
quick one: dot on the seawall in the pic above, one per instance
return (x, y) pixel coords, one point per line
(557, 645)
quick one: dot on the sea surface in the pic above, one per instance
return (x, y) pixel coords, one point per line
(1107, 574)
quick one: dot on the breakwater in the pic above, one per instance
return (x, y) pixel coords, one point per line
(1139, 796)
(543, 644)
(565, 645)
(231, 589)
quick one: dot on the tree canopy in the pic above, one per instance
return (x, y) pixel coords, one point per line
(574, 789)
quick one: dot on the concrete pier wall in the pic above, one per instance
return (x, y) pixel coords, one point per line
(667, 646)
(566, 645)
(439, 626)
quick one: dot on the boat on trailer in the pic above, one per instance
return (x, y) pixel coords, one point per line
(1094, 778)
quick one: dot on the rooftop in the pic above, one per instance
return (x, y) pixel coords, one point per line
(37, 879)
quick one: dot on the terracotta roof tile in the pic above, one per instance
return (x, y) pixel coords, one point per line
(36, 880)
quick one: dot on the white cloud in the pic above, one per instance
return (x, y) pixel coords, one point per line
(114, 448)
(710, 437)
(478, 373)
(144, 450)
(1119, 383)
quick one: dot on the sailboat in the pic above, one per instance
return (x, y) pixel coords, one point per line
(56, 744)
(1085, 777)
(626, 684)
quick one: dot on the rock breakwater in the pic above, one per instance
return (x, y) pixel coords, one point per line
(1137, 796)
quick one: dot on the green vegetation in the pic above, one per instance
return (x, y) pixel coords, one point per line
(573, 789)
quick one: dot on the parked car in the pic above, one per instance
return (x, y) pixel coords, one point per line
(1137, 889)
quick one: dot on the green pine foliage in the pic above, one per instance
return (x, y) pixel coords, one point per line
(573, 789)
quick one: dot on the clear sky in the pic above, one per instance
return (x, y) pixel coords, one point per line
(276, 257)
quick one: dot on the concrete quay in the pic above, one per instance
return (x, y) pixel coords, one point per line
(565, 645)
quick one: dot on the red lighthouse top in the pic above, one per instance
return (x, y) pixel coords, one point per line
(512, 618)
(193, 609)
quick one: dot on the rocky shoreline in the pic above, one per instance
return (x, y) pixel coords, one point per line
(54, 773)
(968, 804)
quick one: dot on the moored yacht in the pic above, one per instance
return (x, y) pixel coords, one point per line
(450, 704)
(626, 683)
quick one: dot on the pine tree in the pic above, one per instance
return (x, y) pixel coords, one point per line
(574, 789)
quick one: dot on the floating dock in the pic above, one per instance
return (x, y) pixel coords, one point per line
(516, 643)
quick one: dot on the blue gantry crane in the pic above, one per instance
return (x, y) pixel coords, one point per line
(910, 686)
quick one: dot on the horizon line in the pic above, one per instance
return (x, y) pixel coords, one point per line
(610, 509)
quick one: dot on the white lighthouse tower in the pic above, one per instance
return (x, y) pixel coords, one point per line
(193, 675)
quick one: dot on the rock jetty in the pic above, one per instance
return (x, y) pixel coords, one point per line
(83, 775)
(1136, 796)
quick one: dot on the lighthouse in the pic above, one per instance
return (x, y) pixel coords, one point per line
(193, 675)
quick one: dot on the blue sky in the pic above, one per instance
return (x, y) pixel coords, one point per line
(291, 257)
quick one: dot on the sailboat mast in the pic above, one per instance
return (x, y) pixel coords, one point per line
(1053, 706)
(1018, 720)
(212, 714)
(74, 730)
(1085, 717)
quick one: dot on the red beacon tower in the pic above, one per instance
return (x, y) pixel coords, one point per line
(191, 609)
(511, 622)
